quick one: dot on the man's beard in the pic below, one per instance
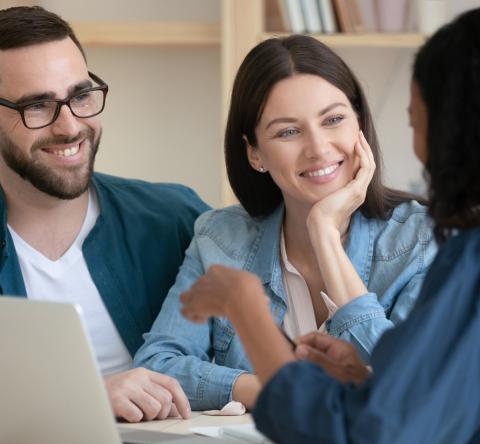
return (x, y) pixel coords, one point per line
(66, 183)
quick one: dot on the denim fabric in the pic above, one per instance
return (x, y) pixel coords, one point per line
(133, 252)
(424, 387)
(391, 256)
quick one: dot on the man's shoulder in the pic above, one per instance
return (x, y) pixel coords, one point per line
(137, 192)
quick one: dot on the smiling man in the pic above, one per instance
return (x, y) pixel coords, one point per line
(111, 245)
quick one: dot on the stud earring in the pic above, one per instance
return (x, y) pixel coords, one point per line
(262, 170)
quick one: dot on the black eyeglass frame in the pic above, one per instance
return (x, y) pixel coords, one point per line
(21, 108)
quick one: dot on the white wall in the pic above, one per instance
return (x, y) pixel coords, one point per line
(162, 120)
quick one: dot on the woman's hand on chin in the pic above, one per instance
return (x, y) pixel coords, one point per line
(335, 210)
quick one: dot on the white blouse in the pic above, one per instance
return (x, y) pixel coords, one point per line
(300, 317)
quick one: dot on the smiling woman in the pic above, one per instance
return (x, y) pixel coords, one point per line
(331, 247)
(306, 138)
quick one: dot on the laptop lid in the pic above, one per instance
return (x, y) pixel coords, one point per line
(51, 390)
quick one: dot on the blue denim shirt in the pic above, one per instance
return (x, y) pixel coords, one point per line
(424, 387)
(391, 256)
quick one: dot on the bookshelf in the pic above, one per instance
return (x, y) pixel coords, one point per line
(366, 40)
(148, 33)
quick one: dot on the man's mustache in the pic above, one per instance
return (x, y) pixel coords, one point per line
(62, 140)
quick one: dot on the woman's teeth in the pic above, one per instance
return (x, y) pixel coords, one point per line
(322, 172)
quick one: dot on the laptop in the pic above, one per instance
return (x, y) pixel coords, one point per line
(51, 391)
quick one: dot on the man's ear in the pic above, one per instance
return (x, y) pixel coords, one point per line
(253, 156)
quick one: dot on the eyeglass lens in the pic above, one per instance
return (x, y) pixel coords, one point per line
(84, 104)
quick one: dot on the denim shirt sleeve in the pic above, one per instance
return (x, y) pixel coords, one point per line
(364, 320)
(183, 350)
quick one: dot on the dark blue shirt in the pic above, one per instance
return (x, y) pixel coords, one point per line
(133, 252)
(425, 387)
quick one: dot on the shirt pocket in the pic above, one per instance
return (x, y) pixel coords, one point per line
(223, 333)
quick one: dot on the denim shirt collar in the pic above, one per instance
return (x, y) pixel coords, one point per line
(265, 262)
(265, 259)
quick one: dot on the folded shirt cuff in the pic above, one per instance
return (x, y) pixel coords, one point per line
(215, 388)
(360, 309)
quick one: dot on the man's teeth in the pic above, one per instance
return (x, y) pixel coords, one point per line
(68, 152)
(322, 172)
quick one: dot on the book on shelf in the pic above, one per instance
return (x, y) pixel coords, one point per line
(348, 16)
(314, 16)
(295, 16)
(356, 16)
(276, 17)
(327, 16)
(311, 16)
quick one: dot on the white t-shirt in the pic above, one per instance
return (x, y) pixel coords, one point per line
(68, 280)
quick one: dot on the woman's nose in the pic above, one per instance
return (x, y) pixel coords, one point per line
(316, 144)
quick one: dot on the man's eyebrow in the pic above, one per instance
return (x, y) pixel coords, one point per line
(36, 96)
(50, 95)
(80, 86)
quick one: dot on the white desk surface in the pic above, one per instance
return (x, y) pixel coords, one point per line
(182, 426)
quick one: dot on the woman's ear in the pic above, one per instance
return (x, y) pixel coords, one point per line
(254, 156)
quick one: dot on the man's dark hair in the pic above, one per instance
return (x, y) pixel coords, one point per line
(447, 72)
(22, 26)
(264, 66)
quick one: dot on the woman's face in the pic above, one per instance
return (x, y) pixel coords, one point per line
(418, 122)
(305, 139)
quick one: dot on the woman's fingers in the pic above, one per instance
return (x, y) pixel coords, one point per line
(368, 149)
(367, 167)
(369, 160)
(316, 340)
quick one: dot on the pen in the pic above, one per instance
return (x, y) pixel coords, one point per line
(288, 338)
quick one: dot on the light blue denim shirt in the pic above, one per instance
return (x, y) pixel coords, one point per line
(391, 256)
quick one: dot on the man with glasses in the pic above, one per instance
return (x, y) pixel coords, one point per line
(111, 245)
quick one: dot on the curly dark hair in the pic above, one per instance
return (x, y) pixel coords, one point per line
(447, 72)
(265, 65)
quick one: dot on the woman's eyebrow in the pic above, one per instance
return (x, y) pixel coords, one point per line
(293, 120)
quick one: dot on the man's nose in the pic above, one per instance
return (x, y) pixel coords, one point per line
(66, 123)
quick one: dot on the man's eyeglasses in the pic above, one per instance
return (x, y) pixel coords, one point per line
(85, 103)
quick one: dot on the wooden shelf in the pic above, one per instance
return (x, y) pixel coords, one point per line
(367, 40)
(148, 33)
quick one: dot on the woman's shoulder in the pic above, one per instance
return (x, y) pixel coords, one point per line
(411, 219)
(408, 229)
(228, 224)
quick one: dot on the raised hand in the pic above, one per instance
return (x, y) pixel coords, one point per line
(338, 358)
(218, 290)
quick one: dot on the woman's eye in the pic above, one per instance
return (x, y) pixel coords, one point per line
(288, 132)
(334, 120)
